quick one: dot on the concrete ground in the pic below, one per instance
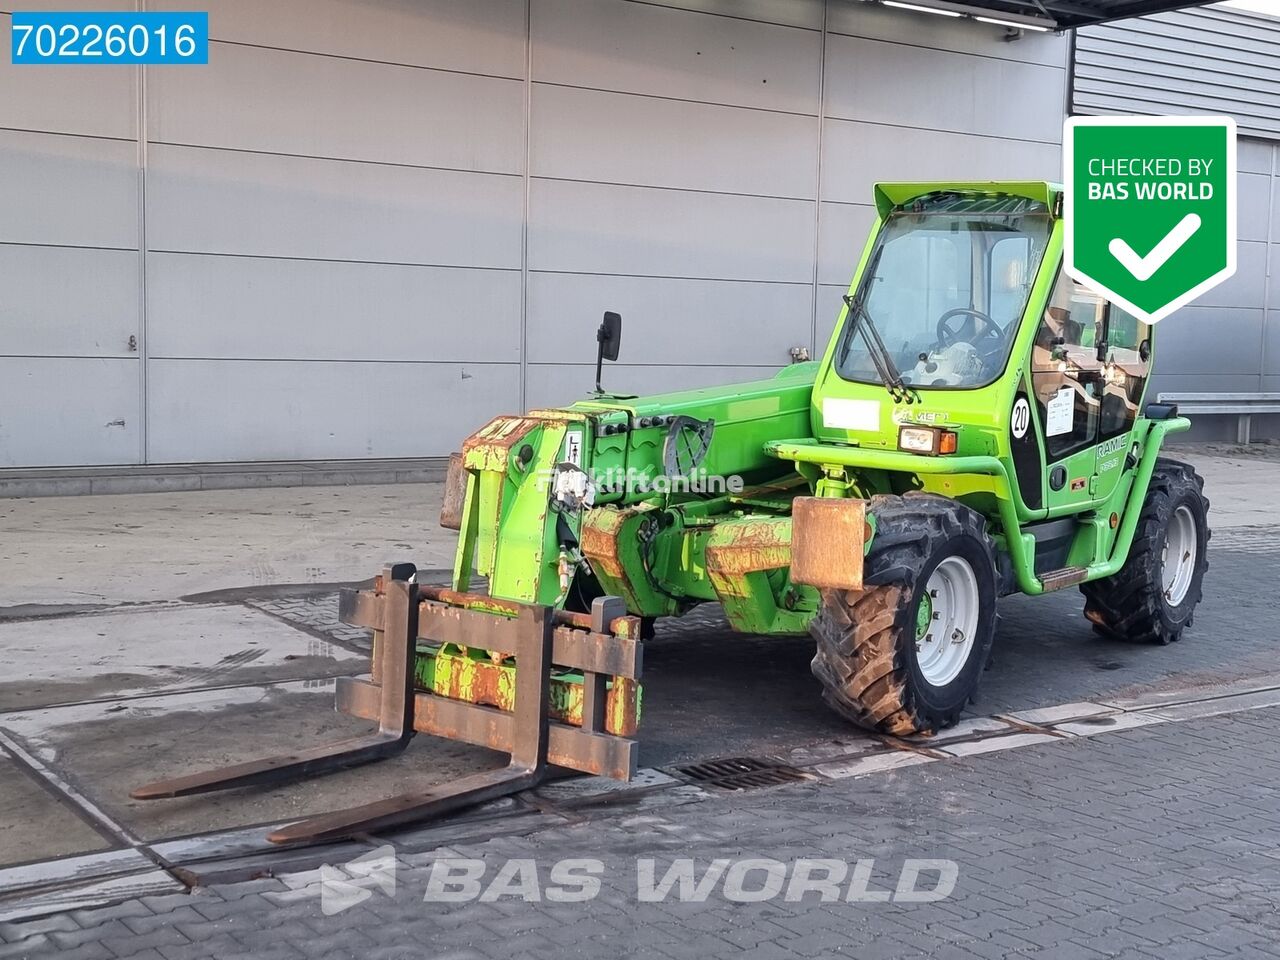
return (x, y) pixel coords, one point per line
(99, 551)
(150, 635)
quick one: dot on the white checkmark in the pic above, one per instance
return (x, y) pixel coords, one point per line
(1144, 267)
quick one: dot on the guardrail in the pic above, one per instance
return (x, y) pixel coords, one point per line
(1242, 405)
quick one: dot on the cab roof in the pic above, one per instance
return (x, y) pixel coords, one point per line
(890, 196)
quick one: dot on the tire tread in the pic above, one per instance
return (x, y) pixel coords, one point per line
(1129, 605)
(859, 657)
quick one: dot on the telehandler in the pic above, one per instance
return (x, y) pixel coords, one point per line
(976, 427)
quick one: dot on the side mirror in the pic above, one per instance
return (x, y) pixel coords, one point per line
(608, 341)
(609, 336)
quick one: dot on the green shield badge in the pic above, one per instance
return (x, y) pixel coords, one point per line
(1150, 208)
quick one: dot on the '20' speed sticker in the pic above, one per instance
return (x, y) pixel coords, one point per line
(1021, 418)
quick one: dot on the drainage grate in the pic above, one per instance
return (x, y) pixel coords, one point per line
(741, 773)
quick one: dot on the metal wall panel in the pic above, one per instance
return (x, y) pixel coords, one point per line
(89, 101)
(75, 191)
(858, 18)
(316, 410)
(1205, 383)
(8, 6)
(668, 321)
(665, 52)
(601, 228)
(830, 303)
(1203, 340)
(788, 13)
(1205, 60)
(1253, 203)
(1247, 287)
(69, 301)
(69, 267)
(554, 384)
(856, 155)
(250, 98)
(1195, 61)
(898, 84)
(485, 37)
(842, 236)
(221, 201)
(256, 308)
(1253, 155)
(1271, 347)
(606, 137)
(315, 188)
(68, 411)
(1273, 264)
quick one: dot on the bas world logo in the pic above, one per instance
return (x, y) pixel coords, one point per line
(341, 888)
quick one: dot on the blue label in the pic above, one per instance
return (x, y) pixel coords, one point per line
(97, 38)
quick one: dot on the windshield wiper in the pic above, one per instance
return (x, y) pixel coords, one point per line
(855, 305)
(860, 319)
(879, 353)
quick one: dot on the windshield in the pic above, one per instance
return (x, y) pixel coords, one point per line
(946, 288)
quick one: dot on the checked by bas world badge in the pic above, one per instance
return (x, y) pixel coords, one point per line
(1150, 208)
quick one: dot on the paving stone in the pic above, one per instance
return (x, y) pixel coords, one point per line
(870, 763)
(1060, 712)
(28, 946)
(1068, 852)
(26, 928)
(1107, 724)
(125, 945)
(146, 923)
(969, 748)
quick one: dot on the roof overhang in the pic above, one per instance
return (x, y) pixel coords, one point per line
(1043, 14)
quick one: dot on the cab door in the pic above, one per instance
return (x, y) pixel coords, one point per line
(1089, 366)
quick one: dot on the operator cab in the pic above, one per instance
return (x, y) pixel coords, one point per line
(946, 288)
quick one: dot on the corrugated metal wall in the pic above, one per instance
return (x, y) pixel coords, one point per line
(370, 224)
(1205, 60)
(1212, 60)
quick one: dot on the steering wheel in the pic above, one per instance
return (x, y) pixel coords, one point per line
(966, 330)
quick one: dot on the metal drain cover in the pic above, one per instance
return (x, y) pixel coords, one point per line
(741, 773)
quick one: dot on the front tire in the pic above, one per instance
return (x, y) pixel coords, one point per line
(1154, 595)
(905, 654)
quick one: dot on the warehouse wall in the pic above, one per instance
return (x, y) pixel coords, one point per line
(369, 225)
(1212, 60)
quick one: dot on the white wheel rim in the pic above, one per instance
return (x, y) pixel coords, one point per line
(947, 621)
(1178, 558)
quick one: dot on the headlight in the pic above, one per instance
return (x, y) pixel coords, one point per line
(929, 440)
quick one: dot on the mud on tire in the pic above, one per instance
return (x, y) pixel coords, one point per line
(1133, 604)
(866, 658)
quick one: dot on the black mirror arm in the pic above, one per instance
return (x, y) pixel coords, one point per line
(600, 338)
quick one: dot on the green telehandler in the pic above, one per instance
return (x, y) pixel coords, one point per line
(976, 427)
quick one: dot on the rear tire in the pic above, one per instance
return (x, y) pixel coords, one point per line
(905, 654)
(1153, 597)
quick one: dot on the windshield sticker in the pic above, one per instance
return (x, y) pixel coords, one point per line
(1060, 413)
(843, 414)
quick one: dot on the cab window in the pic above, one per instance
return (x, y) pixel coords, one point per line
(1087, 390)
(1125, 371)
